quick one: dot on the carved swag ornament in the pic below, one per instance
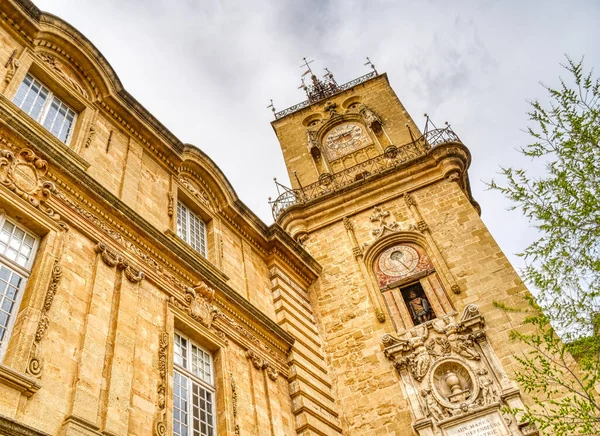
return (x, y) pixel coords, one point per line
(452, 376)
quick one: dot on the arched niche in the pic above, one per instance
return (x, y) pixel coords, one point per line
(406, 276)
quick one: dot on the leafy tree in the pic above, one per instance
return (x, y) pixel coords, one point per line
(560, 195)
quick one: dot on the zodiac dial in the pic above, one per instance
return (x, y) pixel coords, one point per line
(398, 261)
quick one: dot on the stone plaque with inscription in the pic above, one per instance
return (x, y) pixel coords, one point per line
(487, 425)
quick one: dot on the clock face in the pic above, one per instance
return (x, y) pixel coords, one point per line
(398, 261)
(345, 136)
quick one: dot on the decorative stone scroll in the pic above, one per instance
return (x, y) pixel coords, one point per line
(454, 381)
(261, 364)
(112, 258)
(22, 173)
(35, 365)
(11, 67)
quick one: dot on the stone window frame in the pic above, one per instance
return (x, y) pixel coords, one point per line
(23, 271)
(15, 365)
(212, 223)
(31, 63)
(51, 96)
(179, 321)
(205, 385)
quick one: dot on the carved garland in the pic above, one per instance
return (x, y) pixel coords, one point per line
(234, 398)
(261, 364)
(112, 258)
(34, 367)
(160, 426)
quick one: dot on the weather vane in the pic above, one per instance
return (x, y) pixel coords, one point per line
(307, 66)
(372, 65)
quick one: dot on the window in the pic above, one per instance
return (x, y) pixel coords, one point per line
(42, 105)
(191, 228)
(193, 390)
(17, 251)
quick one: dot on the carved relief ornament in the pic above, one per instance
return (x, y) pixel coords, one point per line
(22, 172)
(35, 364)
(451, 376)
(198, 304)
(160, 425)
(261, 364)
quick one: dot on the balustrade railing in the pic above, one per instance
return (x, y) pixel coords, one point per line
(393, 156)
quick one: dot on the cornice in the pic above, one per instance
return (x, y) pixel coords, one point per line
(443, 161)
(107, 213)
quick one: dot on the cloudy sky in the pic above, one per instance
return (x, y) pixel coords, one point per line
(207, 70)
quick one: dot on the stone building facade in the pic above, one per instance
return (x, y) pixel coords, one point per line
(140, 296)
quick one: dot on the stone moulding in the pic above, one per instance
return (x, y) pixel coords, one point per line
(36, 362)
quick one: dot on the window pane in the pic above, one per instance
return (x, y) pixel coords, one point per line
(180, 404)
(202, 410)
(201, 365)
(16, 243)
(59, 119)
(180, 349)
(10, 284)
(31, 97)
(182, 221)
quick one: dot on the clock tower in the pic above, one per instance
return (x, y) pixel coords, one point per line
(409, 270)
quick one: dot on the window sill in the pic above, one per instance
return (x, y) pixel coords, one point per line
(34, 132)
(182, 245)
(18, 381)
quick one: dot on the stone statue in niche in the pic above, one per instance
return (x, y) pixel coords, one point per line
(418, 304)
(486, 386)
(432, 408)
(419, 359)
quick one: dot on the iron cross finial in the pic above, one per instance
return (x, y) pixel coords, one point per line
(272, 106)
(371, 64)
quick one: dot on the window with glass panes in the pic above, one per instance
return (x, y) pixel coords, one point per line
(193, 389)
(191, 228)
(17, 251)
(42, 105)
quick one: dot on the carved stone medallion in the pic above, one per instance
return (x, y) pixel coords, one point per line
(453, 383)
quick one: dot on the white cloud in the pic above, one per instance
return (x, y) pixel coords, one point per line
(207, 70)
